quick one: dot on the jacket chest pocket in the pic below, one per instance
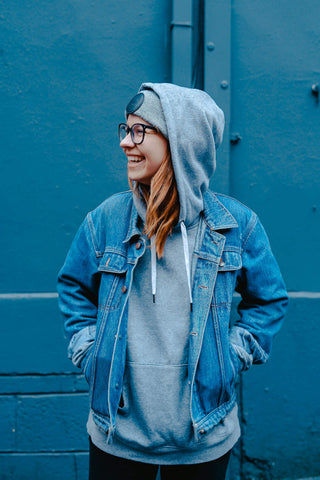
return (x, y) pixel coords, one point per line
(113, 269)
(228, 269)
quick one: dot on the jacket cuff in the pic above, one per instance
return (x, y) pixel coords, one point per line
(246, 347)
(80, 344)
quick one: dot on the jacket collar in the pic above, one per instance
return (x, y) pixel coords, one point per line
(133, 229)
(216, 214)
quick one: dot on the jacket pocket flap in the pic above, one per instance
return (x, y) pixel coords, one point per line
(113, 262)
(230, 260)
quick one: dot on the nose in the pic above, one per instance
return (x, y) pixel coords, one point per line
(127, 141)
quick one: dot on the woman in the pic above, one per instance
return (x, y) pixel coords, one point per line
(146, 293)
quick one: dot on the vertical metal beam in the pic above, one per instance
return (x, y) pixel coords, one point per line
(181, 37)
(217, 74)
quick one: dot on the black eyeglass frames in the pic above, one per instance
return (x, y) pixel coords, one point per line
(137, 132)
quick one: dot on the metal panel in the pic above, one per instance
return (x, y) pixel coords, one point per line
(276, 165)
(68, 69)
(217, 77)
(182, 33)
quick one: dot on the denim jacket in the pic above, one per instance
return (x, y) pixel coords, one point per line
(231, 254)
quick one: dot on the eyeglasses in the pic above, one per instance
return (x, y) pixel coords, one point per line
(137, 132)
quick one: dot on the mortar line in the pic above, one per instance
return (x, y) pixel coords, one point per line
(35, 295)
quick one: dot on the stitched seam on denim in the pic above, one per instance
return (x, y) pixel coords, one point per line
(221, 410)
(107, 305)
(194, 394)
(93, 235)
(220, 352)
(251, 226)
(233, 263)
(114, 250)
(226, 210)
(98, 340)
(231, 248)
(208, 257)
(226, 304)
(161, 365)
(112, 271)
(218, 194)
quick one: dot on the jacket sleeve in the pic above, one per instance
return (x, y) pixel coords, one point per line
(78, 285)
(263, 298)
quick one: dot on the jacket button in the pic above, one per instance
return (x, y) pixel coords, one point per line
(124, 289)
(138, 245)
(222, 264)
(202, 431)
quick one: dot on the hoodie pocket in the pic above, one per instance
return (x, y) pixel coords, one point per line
(155, 415)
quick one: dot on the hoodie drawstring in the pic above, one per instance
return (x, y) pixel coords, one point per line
(186, 261)
(186, 258)
(153, 268)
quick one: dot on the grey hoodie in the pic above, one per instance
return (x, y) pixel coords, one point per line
(154, 421)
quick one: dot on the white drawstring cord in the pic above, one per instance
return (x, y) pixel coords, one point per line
(186, 261)
(153, 268)
(186, 258)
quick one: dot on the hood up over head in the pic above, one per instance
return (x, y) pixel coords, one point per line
(194, 125)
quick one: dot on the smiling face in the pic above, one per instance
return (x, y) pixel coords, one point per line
(145, 159)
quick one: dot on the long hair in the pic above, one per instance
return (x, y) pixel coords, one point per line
(162, 201)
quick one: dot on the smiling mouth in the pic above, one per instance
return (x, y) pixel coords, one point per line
(135, 159)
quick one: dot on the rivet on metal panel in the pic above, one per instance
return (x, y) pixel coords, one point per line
(210, 46)
(235, 138)
(224, 84)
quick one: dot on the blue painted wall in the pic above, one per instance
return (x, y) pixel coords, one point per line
(67, 70)
(275, 169)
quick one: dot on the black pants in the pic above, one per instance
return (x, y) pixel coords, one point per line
(103, 466)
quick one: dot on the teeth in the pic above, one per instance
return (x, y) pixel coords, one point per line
(135, 159)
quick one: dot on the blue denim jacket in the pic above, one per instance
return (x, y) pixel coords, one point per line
(232, 254)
